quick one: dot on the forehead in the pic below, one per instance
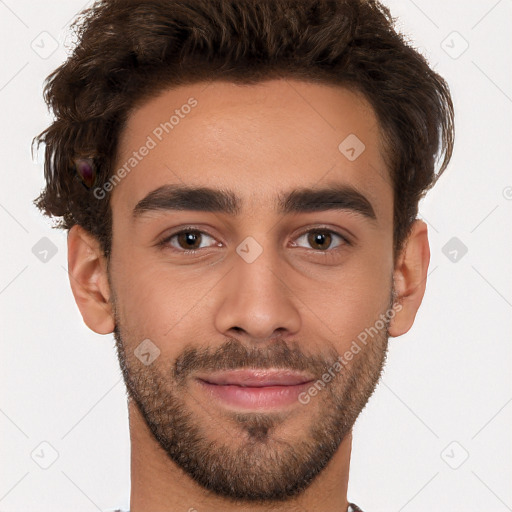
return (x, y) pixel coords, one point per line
(258, 140)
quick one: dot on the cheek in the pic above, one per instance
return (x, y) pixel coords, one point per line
(161, 304)
(355, 300)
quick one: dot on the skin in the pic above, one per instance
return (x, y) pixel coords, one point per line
(257, 141)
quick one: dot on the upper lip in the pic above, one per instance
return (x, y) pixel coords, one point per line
(256, 378)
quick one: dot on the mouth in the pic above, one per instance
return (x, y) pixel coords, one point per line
(255, 389)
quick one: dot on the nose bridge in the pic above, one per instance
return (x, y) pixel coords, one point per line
(257, 297)
(258, 269)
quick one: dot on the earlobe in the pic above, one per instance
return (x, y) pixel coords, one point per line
(89, 281)
(410, 278)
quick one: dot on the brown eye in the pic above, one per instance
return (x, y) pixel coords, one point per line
(322, 239)
(319, 240)
(187, 240)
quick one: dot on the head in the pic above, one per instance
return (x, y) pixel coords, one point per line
(287, 145)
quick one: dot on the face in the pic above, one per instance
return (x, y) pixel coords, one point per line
(250, 254)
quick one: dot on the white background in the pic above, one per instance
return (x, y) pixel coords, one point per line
(446, 392)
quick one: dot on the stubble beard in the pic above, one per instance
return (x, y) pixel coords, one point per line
(255, 462)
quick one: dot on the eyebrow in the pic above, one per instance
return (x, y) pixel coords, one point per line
(301, 200)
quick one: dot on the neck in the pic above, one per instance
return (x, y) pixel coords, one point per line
(157, 483)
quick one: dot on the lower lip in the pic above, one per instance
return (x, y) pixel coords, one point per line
(267, 397)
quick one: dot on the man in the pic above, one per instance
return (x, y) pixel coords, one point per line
(240, 181)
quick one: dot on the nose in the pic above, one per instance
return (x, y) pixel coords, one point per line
(257, 300)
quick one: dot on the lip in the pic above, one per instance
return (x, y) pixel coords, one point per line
(254, 389)
(256, 378)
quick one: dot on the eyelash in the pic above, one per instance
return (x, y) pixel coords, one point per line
(165, 242)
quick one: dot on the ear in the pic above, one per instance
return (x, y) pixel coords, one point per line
(87, 269)
(410, 278)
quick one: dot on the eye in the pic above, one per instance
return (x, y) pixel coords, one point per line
(321, 239)
(187, 240)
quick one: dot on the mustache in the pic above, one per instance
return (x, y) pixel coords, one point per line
(234, 355)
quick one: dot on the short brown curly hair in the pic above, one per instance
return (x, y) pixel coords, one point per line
(130, 50)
